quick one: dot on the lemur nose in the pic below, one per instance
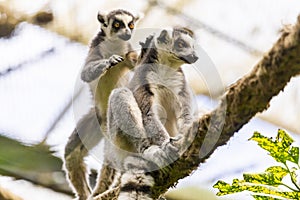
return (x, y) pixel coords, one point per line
(126, 36)
(195, 58)
(192, 58)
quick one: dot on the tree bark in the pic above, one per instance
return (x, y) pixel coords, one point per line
(248, 96)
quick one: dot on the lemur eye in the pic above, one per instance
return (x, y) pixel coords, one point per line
(131, 25)
(181, 44)
(117, 24)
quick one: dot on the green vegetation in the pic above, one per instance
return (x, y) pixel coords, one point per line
(276, 182)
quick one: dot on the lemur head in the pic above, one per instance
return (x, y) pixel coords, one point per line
(178, 45)
(118, 24)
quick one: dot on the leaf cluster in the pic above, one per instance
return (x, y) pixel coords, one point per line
(270, 185)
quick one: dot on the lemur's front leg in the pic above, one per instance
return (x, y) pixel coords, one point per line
(97, 68)
(186, 121)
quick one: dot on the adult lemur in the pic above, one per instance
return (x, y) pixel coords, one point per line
(156, 106)
(109, 58)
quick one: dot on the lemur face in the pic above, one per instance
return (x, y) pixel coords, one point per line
(180, 44)
(118, 24)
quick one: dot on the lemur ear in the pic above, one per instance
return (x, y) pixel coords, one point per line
(102, 17)
(138, 17)
(164, 37)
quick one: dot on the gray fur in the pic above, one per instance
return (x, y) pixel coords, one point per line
(143, 119)
(75, 151)
(110, 57)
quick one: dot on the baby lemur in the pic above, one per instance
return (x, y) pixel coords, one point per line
(110, 57)
(156, 106)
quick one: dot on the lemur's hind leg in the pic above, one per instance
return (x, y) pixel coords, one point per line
(86, 135)
(125, 117)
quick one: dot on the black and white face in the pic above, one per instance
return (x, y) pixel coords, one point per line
(118, 24)
(179, 44)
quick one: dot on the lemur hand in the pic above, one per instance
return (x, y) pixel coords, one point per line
(115, 59)
(112, 61)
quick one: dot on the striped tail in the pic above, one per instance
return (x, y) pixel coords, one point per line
(136, 183)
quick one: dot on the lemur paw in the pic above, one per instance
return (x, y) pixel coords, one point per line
(171, 150)
(187, 136)
(162, 155)
(115, 59)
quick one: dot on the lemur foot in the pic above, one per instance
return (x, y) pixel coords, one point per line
(170, 148)
(163, 155)
(187, 136)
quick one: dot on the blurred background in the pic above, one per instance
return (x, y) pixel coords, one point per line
(43, 44)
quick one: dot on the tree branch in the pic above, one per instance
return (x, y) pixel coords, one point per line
(248, 96)
(32, 163)
(7, 195)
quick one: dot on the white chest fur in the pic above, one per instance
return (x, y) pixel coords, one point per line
(166, 77)
(166, 83)
(109, 48)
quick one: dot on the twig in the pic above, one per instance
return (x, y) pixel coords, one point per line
(61, 114)
(11, 69)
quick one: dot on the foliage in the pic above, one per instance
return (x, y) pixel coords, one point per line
(270, 185)
(35, 163)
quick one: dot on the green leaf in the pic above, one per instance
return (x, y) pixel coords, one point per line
(260, 197)
(225, 188)
(264, 186)
(272, 176)
(295, 154)
(284, 139)
(241, 185)
(279, 171)
(280, 149)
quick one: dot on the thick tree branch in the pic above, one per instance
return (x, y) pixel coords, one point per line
(248, 96)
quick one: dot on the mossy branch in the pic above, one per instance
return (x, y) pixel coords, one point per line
(248, 96)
